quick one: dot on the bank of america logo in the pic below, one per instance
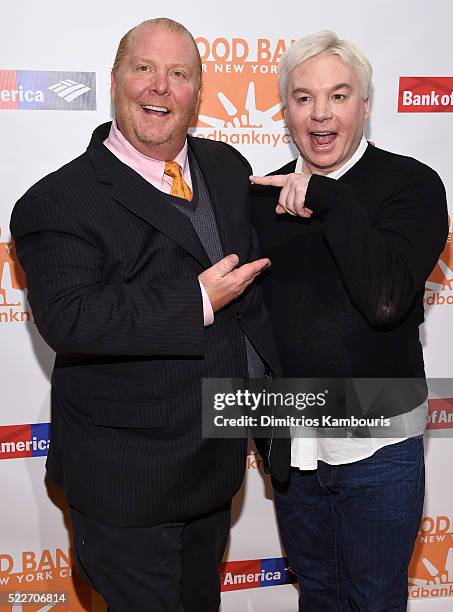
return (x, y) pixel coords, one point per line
(20, 441)
(47, 90)
(69, 90)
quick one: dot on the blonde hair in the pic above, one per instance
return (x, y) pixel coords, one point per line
(324, 43)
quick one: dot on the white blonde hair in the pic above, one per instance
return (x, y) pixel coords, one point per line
(324, 43)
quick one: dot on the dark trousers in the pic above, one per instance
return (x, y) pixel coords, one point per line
(349, 530)
(164, 568)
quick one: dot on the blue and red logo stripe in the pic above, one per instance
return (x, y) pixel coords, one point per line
(47, 90)
(255, 573)
(21, 441)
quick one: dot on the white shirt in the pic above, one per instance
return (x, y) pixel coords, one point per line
(307, 447)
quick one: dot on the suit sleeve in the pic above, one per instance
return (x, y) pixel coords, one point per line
(385, 258)
(77, 312)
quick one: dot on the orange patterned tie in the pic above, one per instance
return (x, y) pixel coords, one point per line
(179, 186)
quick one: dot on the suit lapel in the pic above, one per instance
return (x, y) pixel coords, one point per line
(137, 196)
(135, 193)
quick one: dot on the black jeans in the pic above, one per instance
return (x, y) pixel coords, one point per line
(172, 567)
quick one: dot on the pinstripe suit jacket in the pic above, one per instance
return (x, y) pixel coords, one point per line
(112, 275)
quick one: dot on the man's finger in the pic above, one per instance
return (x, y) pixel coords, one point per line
(286, 199)
(227, 264)
(306, 212)
(277, 180)
(251, 269)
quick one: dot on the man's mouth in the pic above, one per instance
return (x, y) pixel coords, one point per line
(159, 111)
(323, 138)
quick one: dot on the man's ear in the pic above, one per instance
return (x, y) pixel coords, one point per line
(366, 103)
(197, 105)
(112, 85)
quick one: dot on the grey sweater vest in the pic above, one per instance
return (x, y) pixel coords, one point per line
(200, 212)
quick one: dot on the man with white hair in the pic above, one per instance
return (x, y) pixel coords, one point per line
(352, 232)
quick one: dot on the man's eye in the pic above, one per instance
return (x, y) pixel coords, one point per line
(339, 97)
(303, 99)
(178, 74)
(143, 68)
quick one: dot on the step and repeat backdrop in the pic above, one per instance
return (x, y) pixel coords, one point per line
(55, 61)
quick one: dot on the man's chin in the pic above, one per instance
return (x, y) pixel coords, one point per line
(324, 164)
(153, 140)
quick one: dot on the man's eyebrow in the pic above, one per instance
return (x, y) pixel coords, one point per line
(148, 60)
(341, 86)
(334, 88)
(301, 90)
(141, 59)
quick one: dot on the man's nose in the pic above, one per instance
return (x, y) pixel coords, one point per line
(321, 110)
(159, 82)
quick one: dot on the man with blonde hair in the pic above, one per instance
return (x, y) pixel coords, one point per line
(353, 233)
(140, 262)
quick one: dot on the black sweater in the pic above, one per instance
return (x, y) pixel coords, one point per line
(345, 289)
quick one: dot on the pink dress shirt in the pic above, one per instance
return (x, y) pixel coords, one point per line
(152, 170)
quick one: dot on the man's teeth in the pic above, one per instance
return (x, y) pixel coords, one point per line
(159, 109)
(323, 133)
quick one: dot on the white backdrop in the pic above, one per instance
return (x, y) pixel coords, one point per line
(69, 48)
